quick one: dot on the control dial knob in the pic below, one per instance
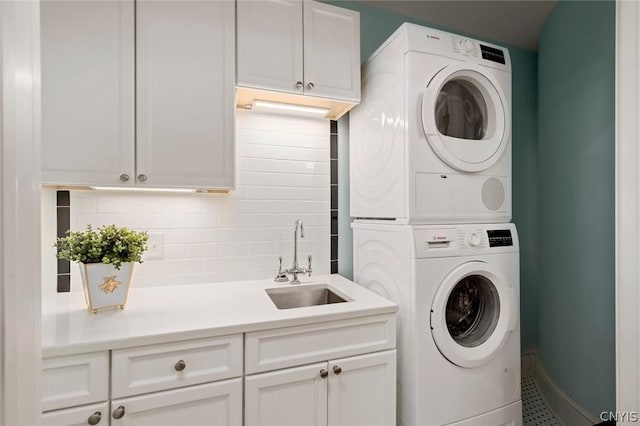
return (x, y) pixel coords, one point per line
(468, 46)
(474, 239)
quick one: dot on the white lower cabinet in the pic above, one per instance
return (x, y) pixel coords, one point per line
(332, 373)
(359, 390)
(94, 414)
(290, 397)
(363, 393)
(212, 404)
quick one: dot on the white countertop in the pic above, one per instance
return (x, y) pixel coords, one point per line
(165, 314)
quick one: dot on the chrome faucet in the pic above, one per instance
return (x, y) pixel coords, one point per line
(295, 268)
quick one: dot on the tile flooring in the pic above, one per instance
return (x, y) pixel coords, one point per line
(534, 410)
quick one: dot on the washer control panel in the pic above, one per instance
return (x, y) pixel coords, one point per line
(464, 240)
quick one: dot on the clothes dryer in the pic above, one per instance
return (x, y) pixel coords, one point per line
(457, 290)
(430, 141)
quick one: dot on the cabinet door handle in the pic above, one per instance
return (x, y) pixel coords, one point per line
(310, 86)
(142, 178)
(95, 418)
(299, 85)
(118, 413)
(180, 365)
(324, 373)
(337, 370)
(124, 177)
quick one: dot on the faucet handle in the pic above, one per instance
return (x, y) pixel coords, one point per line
(309, 270)
(281, 277)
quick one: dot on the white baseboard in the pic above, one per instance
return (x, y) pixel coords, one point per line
(561, 405)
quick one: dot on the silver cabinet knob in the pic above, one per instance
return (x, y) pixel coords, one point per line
(95, 418)
(180, 365)
(299, 85)
(337, 370)
(324, 373)
(142, 178)
(124, 177)
(310, 86)
(118, 413)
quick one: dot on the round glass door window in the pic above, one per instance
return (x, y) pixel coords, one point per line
(461, 111)
(472, 311)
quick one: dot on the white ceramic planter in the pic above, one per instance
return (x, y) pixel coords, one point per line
(105, 286)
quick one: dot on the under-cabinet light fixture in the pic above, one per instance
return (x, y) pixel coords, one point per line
(133, 188)
(282, 108)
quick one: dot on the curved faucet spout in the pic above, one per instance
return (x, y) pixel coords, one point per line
(295, 268)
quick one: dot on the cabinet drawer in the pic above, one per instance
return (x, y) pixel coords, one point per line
(286, 347)
(75, 380)
(78, 416)
(158, 367)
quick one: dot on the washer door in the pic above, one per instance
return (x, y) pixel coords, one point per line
(466, 118)
(472, 314)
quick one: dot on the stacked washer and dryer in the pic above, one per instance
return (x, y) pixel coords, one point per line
(431, 193)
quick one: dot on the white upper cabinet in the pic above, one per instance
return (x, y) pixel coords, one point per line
(331, 52)
(270, 45)
(289, 48)
(185, 86)
(138, 93)
(87, 92)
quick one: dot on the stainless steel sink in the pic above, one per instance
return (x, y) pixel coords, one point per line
(304, 296)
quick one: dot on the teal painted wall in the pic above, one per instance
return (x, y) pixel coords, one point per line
(375, 26)
(576, 201)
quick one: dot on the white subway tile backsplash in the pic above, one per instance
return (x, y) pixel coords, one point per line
(248, 150)
(282, 175)
(289, 153)
(185, 266)
(175, 251)
(201, 221)
(202, 250)
(217, 264)
(176, 236)
(220, 235)
(233, 249)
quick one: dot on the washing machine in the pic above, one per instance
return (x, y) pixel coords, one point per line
(457, 288)
(430, 141)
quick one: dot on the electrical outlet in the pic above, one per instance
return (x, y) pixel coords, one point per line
(155, 246)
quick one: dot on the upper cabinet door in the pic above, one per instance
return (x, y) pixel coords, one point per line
(87, 92)
(185, 86)
(270, 45)
(331, 51)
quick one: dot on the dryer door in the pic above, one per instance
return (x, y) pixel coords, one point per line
(466, 117)
(472, 314)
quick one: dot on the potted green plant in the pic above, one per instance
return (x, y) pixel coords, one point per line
(106, 259)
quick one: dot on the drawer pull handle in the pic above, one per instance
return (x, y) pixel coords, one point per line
(180, 365)
(118, 413)
(324, 373)
(337, 370)
(95, 418)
